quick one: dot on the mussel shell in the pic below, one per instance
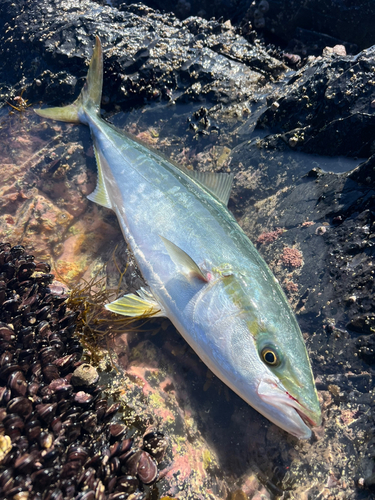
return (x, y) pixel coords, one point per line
(25, 463)
(50, 372)
(155, 443)
(46, 411)
(127, 484)
(44, 477)
(77, 453)
(33, 429)
(20, 405)
(17, 383)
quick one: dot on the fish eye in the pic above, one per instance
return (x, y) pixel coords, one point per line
(270, 356)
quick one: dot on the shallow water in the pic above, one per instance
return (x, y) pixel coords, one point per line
(218, 444)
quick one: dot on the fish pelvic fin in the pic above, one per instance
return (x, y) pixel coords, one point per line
(142, 305)
(90, 96)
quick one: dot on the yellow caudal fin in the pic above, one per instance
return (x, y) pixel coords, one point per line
(90, 96)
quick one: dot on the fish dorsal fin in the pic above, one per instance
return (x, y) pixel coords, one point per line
(183, 261)
(142, 304)
(220, 185)
(100, 194)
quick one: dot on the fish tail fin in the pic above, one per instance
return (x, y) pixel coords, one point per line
(89, 97)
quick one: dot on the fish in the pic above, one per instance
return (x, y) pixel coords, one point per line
(201, 270)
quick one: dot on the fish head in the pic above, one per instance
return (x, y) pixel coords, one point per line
(258, 350)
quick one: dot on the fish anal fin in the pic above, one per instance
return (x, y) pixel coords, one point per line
(183, 261)
(142, 305)
(100, 194)
(218, 184)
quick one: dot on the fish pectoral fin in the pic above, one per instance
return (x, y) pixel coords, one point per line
(141, 305)
(100, 194)
(183, 261)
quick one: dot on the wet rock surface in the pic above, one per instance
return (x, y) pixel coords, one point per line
(211, 99)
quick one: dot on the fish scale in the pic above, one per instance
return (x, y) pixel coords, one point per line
(202, 271)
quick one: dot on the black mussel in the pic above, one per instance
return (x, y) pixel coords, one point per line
(26, 355)
(87, 478)
(58, 383)
(63, 405)
(46, 411)
(100, 408)
(111, 411)
(46, 440)
(36, 369)
(7, 369)
(7, 479)
(23, 444)
(89, 421)
(4, 395)
(44, 477)
(17, 383)
(115, 465)
(147, 469)
(155, 443)
(44, 279)
(132, 460)
(63, 391)
(43, 267)
(94, 461)
(142, 464)
(60, 350)
(121, 447)
(3, 414)
(70, 470)
(13, 421)
(118, 496)
(56, 425)
(6, 333)
(117, 430)
(43, 328)
(55, 494)
(127, 484)
(73, 431)
(20, 405)
(43, 313)
(99, 491)
(50, 372)
(111, 484)
(77, 453)
(11, 305)
(25, 270)
(86, 495)
(6, 358)
(17, 251)
(83, 398)
(33, 388)
(104, 471)
(48, 355)
(25, 463)
(33, 429)
(8, 270)
(68, 320)
(50, 457)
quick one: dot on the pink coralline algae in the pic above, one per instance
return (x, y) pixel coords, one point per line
(269, 237)
(291, 257)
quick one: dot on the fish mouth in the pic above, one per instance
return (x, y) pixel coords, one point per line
(288, 413)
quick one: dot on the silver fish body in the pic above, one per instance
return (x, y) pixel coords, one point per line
(202, 271)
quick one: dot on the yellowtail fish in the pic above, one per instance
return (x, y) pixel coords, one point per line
(201, 270)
